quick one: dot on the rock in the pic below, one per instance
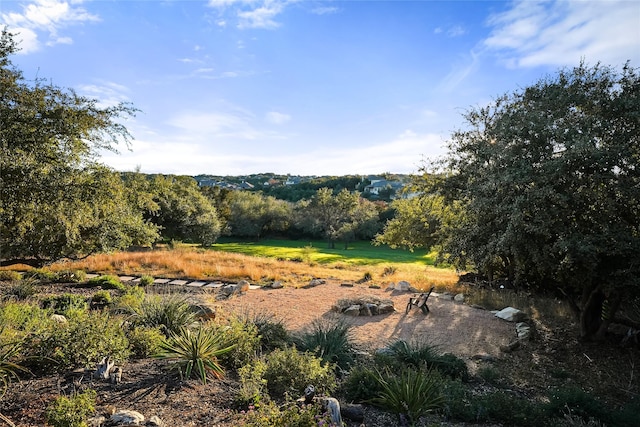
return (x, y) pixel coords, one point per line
(391, 286)
(229, 290)
(96, 421)
(483, 357)
(403, 286)
(353, 310)
(315, 282)
(243, 286)
(155, 421)
(332, 406)
(414, 290)
(385, 308)
(59, 318)
(511, 314)
(353, 412)
(459, 298)
(365, 310)
(277, 285)
(446, 296)
(374, 286)
(347, 285)
(127, 417)
(373, 309)
(523, 331)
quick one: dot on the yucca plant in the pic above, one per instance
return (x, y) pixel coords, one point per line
(196, 351)
(410, 395)
(168, 312)
(9, 369)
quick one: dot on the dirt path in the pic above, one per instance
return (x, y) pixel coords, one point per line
(456, 328)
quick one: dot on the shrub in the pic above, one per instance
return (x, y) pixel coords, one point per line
(411, 394)
(489, 374)
(360, 384)
(253, 386)
(20, 319)
(72, 411)
(100, 299)
(330, 340)
(506, 408)
(196, 351)
(579, 402)
(271, 330)
(146, 280)
(107, 282)
(65, 303)
(21, 290)
(130, 301)
(419, 354)
(290, 371)
(40, 274)
(290, 414)
(245, 340)
(144, 341)
(168, 312)
(10, 276)
(80, 343)
(70, 276)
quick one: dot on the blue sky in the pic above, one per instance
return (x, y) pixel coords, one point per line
(234, 87)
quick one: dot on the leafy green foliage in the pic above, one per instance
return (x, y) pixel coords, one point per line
(255, 215)
(42, 275)
(9, 368)
(144, 341)
(72, 411)
(65, 303)
(196, 351)
(107, 281)
(146, 280)
(271, 330)
(361, 384)
(411, 394)
(10, 276)
(79, 343)
(290, 371)
(290, 414)
(244, 338)
(69, 276)
(20, 290)
(330, 340)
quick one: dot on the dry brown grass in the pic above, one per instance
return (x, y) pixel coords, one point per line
(215, 265)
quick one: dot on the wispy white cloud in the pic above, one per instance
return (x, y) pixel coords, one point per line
(253, 14)
(325, 10)
(562, 32)
(109, 94)
(453, 31)
(277, 118)
(45, 16)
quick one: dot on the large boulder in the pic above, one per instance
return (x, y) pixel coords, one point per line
(127, 417)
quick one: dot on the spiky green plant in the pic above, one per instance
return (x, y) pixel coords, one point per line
(330, 340)
(410, 395)
(169, 312)
(196, 351)
(8, 368)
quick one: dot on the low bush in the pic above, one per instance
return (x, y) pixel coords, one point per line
(196, 351)
(271, 330)
(144, 341)
(107, 282)
(20, 290)
(360, 384)
(244, 338)
(70, 276)
(130, 301)
(100, 299)
(80, 343)
(9, 368)
(65, 303)
(419, 354)
(146, 280)
(10, 276)
(330, 340)
(580, 404)
(411, 394)
(42, 275)
(290, 414)
(290, 371)
(72, 411)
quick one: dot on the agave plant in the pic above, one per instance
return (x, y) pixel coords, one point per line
(411, 394)
(196, 351)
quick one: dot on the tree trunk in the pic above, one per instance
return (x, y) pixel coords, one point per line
(591, 316)
(608, 315)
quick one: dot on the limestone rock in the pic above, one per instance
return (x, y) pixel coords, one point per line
(59, 318)
(459, 298)
(365, 310)
(315, 282)
(403, 286)
(353, 310)
(243, 286)
(127, 417)
(446, 296)
(523, 331)
(155, 421)
(229, 290)
(385, 308)
(96, 421)
(391, 286)
(511, 314)
(277, 285)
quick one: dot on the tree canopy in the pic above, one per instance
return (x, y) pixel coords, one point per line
(56, 200)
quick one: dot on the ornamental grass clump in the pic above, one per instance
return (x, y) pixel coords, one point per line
(330, 340)
(411, 394)
(196, 351)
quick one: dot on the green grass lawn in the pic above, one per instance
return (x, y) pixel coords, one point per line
(358, 253)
